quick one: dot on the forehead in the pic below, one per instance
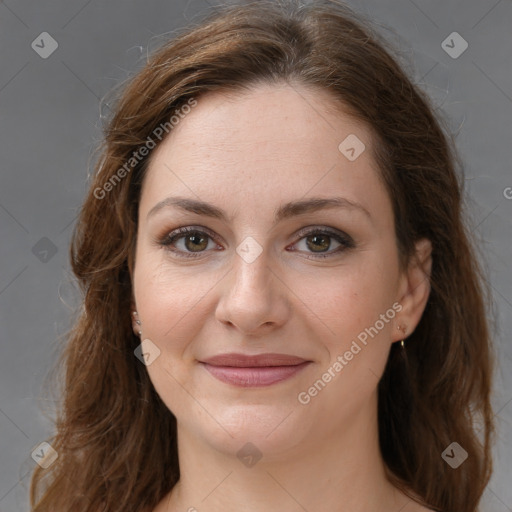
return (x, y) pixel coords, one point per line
(274, 142)
(278, 115)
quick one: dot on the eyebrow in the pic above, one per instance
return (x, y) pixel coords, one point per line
(286, 211)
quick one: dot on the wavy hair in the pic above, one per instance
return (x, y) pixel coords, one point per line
(115, 437)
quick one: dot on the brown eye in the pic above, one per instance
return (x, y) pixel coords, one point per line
(193, 242)
(318, 242)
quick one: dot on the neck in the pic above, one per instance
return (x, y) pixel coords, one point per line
(332, 472)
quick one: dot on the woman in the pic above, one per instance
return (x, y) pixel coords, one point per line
(282, 306)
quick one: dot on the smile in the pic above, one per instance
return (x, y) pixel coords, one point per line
(253, 370)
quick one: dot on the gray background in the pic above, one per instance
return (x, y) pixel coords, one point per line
(51, 122)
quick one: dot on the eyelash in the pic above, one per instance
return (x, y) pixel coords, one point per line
(345, 240)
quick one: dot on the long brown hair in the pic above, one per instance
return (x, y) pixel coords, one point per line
(115, 438)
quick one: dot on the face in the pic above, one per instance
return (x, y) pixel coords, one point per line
(321, 284)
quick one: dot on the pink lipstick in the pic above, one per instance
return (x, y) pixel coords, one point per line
(253, 371)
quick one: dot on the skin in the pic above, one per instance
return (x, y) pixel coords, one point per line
(249, 154)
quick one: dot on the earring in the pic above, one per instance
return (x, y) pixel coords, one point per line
(137, 321)
(403, 329)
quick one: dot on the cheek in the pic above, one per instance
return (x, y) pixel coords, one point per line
(172, 314)
(358, 309)
(354, 298)
(174, 305)
(336, 309)
(169, 303)
(360, 322)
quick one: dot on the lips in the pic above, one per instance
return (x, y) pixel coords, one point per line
(261, 360)
(254, 371)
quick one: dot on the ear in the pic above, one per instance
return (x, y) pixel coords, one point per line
(134, 318)
(414, 290)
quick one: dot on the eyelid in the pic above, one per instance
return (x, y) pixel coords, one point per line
(345, 240)
(334, 232)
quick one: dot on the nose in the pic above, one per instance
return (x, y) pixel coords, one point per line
(254, 298)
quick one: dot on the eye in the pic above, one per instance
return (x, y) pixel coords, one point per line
(319, 241)
(196, 241)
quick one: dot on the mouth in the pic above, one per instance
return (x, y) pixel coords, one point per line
(254, 371)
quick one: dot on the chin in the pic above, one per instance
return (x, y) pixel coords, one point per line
(268, 428)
